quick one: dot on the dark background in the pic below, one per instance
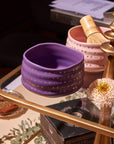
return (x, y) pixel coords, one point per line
(24, 23)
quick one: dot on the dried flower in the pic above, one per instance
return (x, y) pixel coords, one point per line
(101, 91)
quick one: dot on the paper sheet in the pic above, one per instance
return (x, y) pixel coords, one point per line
(95, 8)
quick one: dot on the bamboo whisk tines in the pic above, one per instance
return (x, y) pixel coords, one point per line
(91, 31)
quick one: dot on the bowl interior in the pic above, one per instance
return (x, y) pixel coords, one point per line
(77, 33)
(53, 56)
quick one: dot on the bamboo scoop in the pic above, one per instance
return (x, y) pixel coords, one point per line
(91, 31)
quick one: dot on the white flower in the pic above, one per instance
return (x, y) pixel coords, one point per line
(101, 92)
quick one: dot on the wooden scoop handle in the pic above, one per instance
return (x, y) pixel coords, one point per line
(88, 25)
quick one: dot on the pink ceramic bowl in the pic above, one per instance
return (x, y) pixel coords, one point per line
(94, 58)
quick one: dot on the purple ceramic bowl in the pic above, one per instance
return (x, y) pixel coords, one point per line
(52, 69)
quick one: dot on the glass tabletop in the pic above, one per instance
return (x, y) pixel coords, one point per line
(74, 110)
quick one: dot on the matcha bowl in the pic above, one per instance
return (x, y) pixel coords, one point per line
(52, 69)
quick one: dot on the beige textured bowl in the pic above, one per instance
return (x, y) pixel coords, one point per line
(95, 59)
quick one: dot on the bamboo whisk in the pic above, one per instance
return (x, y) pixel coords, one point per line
(91, 31)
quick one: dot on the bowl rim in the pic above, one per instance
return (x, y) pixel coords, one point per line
(84, 43)
(25, 59)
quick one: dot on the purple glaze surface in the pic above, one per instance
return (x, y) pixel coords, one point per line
(52, 69)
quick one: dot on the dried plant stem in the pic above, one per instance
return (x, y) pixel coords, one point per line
(104, 119)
